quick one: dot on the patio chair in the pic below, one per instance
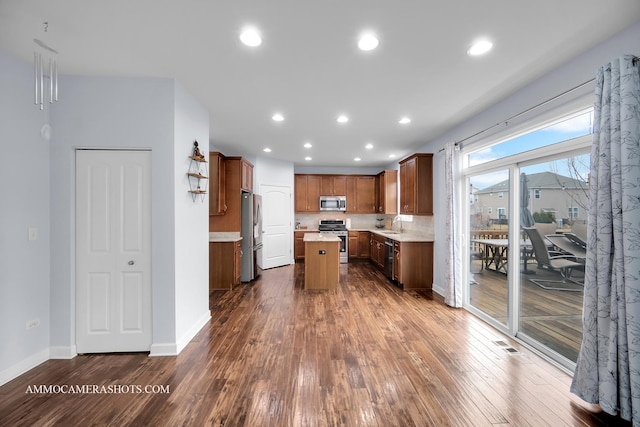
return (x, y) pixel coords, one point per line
(554, 261)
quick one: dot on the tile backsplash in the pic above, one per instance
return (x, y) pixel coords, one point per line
(419, 224)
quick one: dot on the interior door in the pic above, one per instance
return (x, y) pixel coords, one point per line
(276, 223)
(113, 251)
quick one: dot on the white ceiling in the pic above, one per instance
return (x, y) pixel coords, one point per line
(309, 67)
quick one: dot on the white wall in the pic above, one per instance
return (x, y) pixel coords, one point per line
(570, 75)
(107, 112)
(24, 203)
(192, 224)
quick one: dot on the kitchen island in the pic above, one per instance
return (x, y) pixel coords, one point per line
(322, 261)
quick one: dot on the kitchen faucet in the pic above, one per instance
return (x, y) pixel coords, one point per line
(396, 219)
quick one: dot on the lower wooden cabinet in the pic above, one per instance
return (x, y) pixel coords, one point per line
(378, 250)
(413, 264)
(225, 265)
(359, 245)
(298, 245)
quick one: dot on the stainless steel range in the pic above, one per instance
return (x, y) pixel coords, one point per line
(338, 228)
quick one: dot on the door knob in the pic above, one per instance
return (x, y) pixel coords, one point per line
(131, 262)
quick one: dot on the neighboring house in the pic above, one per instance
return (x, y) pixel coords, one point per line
(561, 196)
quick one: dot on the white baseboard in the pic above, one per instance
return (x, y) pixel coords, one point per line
(23, 366)
(163, 349)
(193, 331)
(173, 349)
(63, 352)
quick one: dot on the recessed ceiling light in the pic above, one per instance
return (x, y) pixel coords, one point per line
(404, 120)
(266, 150)
(308, 145)
(307, 158)
(277, 117)
(342, 119)
(250, 37)
(392, 156)
(368, 146)
(368, 42)
(480, 47)
(357, 159)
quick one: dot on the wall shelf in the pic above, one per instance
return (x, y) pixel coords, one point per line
(198, 174)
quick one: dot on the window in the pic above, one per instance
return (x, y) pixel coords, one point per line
(502, 212)
(573, 212)
(536, 193)
(573, 127)
(500, 195)
(489, 210)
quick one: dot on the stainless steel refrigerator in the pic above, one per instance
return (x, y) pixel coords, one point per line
(251, 232)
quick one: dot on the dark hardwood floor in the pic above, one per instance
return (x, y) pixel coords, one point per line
(364, 354)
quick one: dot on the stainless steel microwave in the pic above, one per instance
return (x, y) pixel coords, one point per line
(333, 203)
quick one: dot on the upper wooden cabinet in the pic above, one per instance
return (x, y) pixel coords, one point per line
(238, 176)
(416, 184)
(387, 192)
(333, 185)
(361, 191)
(361, 194)
(217, 201)
(307, 193)
(246, 175)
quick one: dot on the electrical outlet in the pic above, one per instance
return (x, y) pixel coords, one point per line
(33, 323)
(33, 233)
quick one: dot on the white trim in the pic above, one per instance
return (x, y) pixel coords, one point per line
(163, 349)
(63, 352)
(193, 331)
(23, 366)
(173, 349)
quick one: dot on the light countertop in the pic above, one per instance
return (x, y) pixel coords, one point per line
(405, 236)
(224, 236)
(317, 237)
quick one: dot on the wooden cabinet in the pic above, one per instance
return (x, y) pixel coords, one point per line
(364, 246)
(238, 174)
(333, 185)
(246, 175)
(359, 245)
(298, 244)
(217, 201)
(413, 264)
(361, 194)
(416, 184)
(322, 264)
(378, 250)
(361, 191)
(225, 265)
(387, 192)
(307, 193)
(353, 245)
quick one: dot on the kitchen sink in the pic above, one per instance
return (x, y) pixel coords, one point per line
(390, 232)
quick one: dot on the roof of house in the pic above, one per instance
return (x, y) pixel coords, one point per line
(541, 180)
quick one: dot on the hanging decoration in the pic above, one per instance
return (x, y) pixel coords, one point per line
(45, 75)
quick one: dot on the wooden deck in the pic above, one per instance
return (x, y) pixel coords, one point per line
(551, 317)
(274, 354)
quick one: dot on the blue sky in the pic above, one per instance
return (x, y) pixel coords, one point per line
(568, 129)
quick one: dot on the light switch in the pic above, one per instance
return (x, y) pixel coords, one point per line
(33, 233)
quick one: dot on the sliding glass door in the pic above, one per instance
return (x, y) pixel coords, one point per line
(551, 293)
(526, 222)
(488, 234)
